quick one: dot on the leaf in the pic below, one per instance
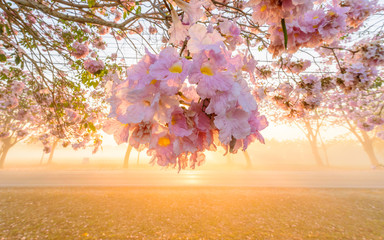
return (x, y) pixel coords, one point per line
(3, 58)
(125, 15)
(8, 30)
(91, 3)
(138, 10)
(92, 127)
(17, 60)
(285, 33)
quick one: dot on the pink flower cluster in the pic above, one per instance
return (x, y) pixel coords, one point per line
(231, 32)
(362, 107)
(80, 50)
(311, 30)
(370, 52)
(93, 66)
(290, 66)
(356, 76)
(178, 108)
(99, 43)
(270, 12)
(298, 98)
(359, 11)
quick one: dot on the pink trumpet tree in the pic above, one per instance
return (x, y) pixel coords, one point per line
(196, 87)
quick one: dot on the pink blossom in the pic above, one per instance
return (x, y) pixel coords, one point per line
(146, 104)
(104, 30)
(359, 10)
(113, 56)
(138, 75)
(178, 31)
(94, 54)
(161, 149)
(120, 131)
(192, 9)
(179, 124)
(152, 30)
(234, 123)
(99, 43)
(231, 32)
(257, 124)
(93, 66)
(375, 120)
(118, 16)
(17, 87)
(141, 135)
(369, 51)
(80, 50)
(170, 70)
(209, 76)
(10, 102)
(202, 39)
(334, 24)
(200, 118)
(365, 126)
(72, 116)
(272, 11)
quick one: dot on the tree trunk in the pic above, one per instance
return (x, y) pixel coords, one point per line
(52, 151)
(316, 154)
(126, 157)
(4, 151)
(367, 144)
(324, 148)
(248, 159)
(312, 139)
(368, 148)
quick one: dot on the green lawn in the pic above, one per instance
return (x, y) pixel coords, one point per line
(190, 213)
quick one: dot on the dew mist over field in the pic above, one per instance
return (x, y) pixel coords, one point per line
(275, 191)
(274, 155)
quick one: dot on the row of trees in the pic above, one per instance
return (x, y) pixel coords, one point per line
(209, 84)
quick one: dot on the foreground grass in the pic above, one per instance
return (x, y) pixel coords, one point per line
(190, 213)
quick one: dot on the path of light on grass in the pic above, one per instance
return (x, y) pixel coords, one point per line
(190, 213)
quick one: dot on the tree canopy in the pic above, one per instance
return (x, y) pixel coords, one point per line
(208, 70)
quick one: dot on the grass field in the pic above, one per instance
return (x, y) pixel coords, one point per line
(190, 213)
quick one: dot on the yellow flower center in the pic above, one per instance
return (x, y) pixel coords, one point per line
(164, 141)
(331, 13)
(154, 81)
(263, 8)
(315, 26)
(147, 103)
(315, 17)
(176, 68)
(205, 69)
